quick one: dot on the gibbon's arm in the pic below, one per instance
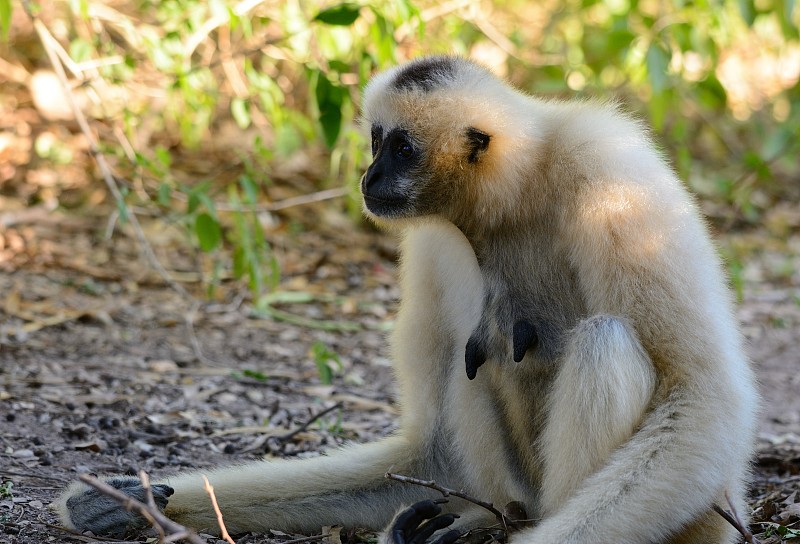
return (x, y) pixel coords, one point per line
(441, 285)
(694, 443)
(347, 487)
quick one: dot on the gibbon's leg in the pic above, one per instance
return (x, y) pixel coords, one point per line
(599, 397)
(442, 298)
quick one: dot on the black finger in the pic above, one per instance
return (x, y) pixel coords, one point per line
(160, 494)
(474, 356)
(448, 538)
(525, 338)
(437, 523)
(409, 519)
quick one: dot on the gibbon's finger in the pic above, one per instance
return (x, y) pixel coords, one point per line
(448, 538)
(407, 521)
(474, 356)
(435, 524)
(525, 338)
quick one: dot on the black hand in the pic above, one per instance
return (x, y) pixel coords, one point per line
(409, 528)
(102, 515)
(525, 338)
(475, 356)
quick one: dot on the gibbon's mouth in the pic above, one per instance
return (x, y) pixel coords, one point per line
(386, 207)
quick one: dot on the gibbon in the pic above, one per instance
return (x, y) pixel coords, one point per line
(565, 337)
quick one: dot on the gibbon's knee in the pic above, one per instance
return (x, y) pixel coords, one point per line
(599, 397)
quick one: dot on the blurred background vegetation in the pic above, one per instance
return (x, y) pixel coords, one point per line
(211, 113)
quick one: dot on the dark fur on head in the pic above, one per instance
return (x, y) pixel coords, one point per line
(425, 74)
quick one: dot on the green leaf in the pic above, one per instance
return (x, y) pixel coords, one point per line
(255, 374)
(323, 357)
(240, 109)
(657, 67)
(164, 194)
(658, 107)
(341, 15)
(208, 231)
(747, 11)
(250, 188)
(5, 18)
(330, 98)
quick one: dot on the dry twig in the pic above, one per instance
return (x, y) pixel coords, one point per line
(151, 504)
(445, 491)
(223, 530)
(288, 436)
(160, 522)
(733, 518)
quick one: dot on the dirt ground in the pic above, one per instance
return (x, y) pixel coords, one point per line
(104, 369)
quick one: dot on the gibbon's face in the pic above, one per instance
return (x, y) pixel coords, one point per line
(388, 186)
(403, 181)
(425, 150)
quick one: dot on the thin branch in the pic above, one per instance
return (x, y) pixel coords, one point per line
(306, 199)
(223, 530)
(151, 504)
(47, 43)
(288, 436)
(320, 196)
(733, 518)
(202, 33)
(175, 530)
(445, 491)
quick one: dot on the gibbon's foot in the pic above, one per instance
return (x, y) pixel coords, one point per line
(92, 511)
(525, 338)
(408, 527)
(474, 355)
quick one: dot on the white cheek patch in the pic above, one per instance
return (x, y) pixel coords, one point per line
(406, 186)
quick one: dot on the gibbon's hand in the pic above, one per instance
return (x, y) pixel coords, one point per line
(408, 527)
(525, 338)
(102, 515)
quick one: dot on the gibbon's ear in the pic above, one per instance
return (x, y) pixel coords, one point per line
(477, 142)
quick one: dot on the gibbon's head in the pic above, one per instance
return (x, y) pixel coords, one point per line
(447, 139)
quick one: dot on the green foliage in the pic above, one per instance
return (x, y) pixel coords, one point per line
(6, 490)
(172, 74)
(786, 533)
(252, 258)
(330, 99)
(255, 374)
(327, 361)
(5, 18)
(343, 14)
(209, 232)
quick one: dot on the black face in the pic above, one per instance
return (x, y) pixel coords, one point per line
(387, 184)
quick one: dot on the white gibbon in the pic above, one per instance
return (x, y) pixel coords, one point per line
(565, 337)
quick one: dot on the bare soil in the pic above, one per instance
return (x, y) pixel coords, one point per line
(105, 369)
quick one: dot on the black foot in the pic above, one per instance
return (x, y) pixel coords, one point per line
(102, 515)
(475, 356)
(525, 338)
(408, 527)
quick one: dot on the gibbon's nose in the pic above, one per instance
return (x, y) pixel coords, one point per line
(371, 177)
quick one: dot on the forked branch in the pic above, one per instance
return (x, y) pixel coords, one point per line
(502, 519)
(733, 518)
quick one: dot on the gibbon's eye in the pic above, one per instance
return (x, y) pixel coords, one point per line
(403, 150)
(377, 134)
